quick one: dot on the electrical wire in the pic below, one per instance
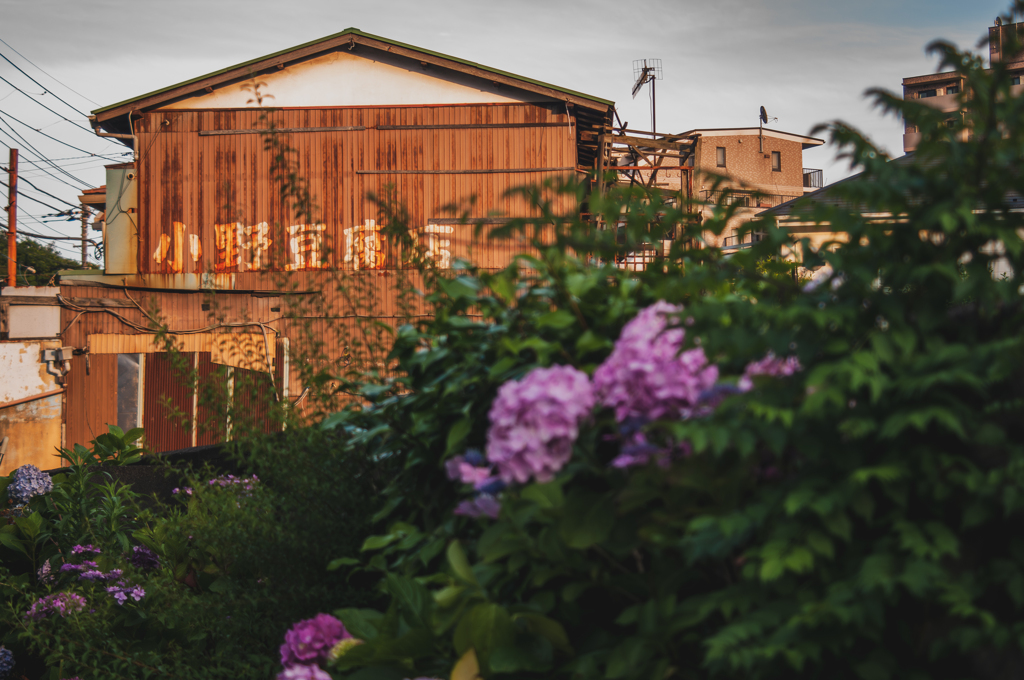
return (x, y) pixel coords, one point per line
(28, 182)
(73, 108)
(43, 71)
(31, 98)
(37, 131)
(14, 135)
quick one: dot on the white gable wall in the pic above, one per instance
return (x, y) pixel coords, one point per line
(346, 78)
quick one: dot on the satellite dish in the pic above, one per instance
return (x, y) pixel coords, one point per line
(764, 115)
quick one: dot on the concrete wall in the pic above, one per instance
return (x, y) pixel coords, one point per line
(33, 424)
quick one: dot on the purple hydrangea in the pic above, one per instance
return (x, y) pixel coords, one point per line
(482, 505)
(303, 673)
(85, 550)
(646, 375)
(460, 468)
(143, 558)
(309, 642)
(122, 592)
(534, 422)
(28, 481)
(771, 366)
(58, 603)
(6, 661)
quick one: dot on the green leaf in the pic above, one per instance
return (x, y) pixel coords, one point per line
(548, 628)
(484, 628)
(459, 563)
(340, 562)
(361, 623)
(457, 435)
(558, 319)
(588, 519)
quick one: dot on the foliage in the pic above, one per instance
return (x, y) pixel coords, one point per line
(43, 258)
(858, 518)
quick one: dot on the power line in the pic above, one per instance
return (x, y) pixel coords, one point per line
(47, 74)
(14, 135)
(73, 108)
(36, 130)
(21, 177)
(31, 98)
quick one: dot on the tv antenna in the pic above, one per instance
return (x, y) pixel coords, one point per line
(647, 71)
(763, 118)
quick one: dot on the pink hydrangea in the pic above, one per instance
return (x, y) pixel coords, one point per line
(310, 641)
(770, 365)
(304, 673)
(58, 603)
(646, 376)
(534, 422)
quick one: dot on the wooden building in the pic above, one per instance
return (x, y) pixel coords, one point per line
(199, 211)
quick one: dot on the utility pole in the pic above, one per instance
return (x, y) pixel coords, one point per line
(85, 235)
(12, 220)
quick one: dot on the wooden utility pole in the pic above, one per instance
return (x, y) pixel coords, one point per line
(85, 235)
(12, 220)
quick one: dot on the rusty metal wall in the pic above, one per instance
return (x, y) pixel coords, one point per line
(90, 401)
(167, 396)
(198, 183)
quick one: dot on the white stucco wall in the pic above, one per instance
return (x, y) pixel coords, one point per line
(350, 79)
(22, 374)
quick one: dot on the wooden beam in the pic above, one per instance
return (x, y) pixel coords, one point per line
(489, 171)
(652, 143)
(212, 133)
(471, 126)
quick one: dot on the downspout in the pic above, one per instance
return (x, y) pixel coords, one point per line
(117, 135)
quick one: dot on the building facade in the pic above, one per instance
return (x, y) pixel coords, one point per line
(201, 231)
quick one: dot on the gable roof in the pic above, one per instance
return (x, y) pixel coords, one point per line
(350, 38)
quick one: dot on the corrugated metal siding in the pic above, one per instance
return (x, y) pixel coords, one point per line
(91, 398)
(200, 181)
(211, 416)
(166, 392)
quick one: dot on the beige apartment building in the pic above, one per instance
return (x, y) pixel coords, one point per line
(944, 90)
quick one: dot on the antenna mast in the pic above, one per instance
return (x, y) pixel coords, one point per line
(647, 71)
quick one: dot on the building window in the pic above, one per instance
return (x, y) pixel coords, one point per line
(952, 89)
(720, 156)
(924, 94)
(1015, 80)
(776, 161)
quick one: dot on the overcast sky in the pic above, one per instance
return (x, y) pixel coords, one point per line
(805, 61)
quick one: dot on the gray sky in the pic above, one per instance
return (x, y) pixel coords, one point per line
(805, 61)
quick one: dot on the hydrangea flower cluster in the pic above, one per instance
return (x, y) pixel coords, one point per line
(646, 376)
(121, 592)
(58, 603)
(88, 549)
(27, 482)
(143, 558)
(309, 642)
(303, 673)
(472, 468)
(244, 485)
(6, 661)
(771, 366)
(534, 422)
(45, 573)
(185, 490)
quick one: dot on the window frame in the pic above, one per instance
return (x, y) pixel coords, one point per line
(720, 157)
(776, 161)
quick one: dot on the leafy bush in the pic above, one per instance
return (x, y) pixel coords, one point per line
(844, 501)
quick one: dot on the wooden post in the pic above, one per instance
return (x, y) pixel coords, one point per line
(85, 235)
(12, 220)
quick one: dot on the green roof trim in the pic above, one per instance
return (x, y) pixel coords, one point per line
(356, 31)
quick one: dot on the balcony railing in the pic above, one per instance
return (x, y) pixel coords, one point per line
(737, 240)
(812, 178)
(745, 199)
